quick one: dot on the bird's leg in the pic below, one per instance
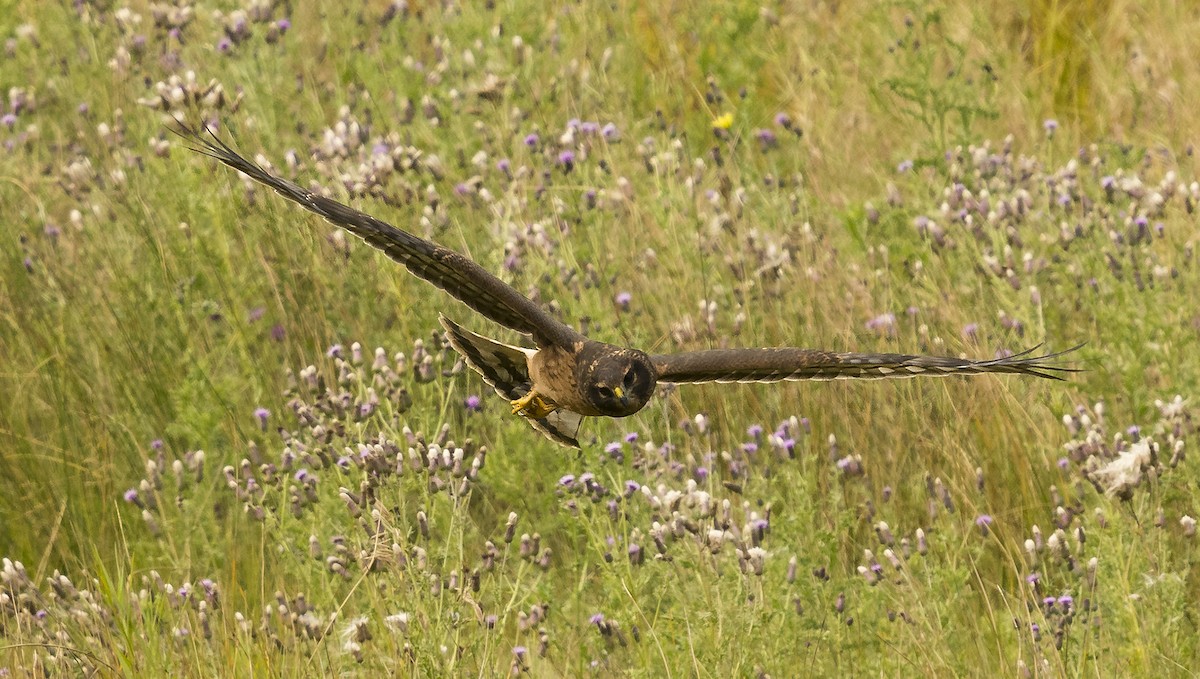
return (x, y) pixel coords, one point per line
(534, 405)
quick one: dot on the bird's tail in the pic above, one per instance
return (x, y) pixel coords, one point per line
(504, 367)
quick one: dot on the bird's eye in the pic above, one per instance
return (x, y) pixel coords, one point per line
(630, 377)
(604, 392)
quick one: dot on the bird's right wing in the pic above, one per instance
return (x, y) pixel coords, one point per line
(462, 278)
(786, 363)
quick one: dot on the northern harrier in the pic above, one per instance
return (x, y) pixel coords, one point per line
(569, 376)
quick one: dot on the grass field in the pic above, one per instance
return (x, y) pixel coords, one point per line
(208, 469)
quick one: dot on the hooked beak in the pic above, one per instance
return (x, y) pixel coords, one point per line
(620, 394)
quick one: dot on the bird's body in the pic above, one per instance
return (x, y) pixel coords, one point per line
(553, 368)
(569, 376)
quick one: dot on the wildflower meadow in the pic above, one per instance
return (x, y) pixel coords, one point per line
(234, 441)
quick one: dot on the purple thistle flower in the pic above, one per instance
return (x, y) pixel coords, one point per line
(303, 475)
(631, 437)
(623, 299)
(567, 480)
(750, 447)
(256, 314)
(156, 444)
(344, 462)
(904, 166)
(783, 120)
(596, 619)
(1033, 578)
(567, 159)
(1064, 463)
(1108, 182)
(631, 487)
(701, 473)
(766, 138)
(262, 415)
(9, 120)
(224, 45)
(277, 332)
(635, 555)
(1050, 126)
(884, 323)
(334, 351)
(473, 403)
(984, 521)
(531, 139)
(131, 496)
(283, 25)
(610, 132)
(1066, 601)
(589, 127)
(504, 165)
(754, 430)
(520, 651)
(613, 447)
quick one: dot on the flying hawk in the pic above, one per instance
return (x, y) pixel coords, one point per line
(569, 376)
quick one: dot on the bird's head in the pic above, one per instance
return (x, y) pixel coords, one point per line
(618, 382)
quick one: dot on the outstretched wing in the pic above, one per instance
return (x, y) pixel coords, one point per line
(464, 279)
(775, 365)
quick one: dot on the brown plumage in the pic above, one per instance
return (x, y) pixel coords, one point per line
(569, 376)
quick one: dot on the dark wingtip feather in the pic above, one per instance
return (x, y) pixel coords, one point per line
(1038, 366)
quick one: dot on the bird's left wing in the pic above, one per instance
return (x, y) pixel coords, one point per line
(785, 363)
(464, 279)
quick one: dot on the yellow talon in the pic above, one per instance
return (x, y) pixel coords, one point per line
(533, 405)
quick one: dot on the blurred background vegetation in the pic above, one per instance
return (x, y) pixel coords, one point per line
(776, 173)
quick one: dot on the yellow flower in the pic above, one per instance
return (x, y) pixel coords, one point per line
(723, 121)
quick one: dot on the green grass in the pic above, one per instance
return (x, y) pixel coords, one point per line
(148, 295)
